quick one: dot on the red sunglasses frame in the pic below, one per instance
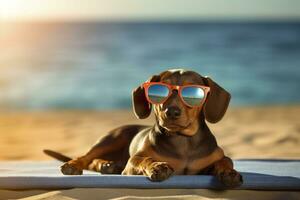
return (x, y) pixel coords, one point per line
(179, 88)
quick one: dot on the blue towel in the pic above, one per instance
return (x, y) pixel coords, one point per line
(257, 174)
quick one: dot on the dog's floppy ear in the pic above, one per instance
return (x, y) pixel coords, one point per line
(216, 103)
(141, 107)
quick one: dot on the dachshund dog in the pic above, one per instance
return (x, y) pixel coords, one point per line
(179, 142)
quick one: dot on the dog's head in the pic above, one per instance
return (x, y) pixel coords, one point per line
(173, 115)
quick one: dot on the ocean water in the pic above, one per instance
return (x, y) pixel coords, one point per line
(96, 65)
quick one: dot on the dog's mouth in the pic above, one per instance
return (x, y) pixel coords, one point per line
(174, 127)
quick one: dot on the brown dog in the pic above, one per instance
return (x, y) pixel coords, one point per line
(180, 142)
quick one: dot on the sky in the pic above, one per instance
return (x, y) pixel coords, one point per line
(149, 9)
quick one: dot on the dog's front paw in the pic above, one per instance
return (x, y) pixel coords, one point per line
(70, 169)
(159, 171)
(230, 178)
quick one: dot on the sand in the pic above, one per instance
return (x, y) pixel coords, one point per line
(252, 132)
(245, 132)
(169, 194)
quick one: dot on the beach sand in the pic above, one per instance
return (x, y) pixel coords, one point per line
(245, 132)
(252, 132)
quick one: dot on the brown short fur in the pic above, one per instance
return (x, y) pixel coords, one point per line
(184, 145)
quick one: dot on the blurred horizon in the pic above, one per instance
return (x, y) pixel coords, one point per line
(128, 21)
(155, 10)
(96, 65)
(73, 54)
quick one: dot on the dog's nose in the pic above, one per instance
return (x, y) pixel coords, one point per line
(173, 112)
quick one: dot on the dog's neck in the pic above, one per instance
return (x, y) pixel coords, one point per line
(201, 143)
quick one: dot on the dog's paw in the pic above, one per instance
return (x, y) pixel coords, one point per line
(159, 171)
(70, 169)
(230, 178)
(109, 167)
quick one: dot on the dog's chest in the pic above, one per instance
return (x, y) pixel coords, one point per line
(184, 156)
(191, 164)
(187, 161)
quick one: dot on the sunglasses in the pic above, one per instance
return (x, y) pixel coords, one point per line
(191, 95)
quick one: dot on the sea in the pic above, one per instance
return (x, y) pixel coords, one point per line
(95, 65)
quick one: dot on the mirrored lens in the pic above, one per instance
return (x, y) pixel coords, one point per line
(193, 96)
(157, 93)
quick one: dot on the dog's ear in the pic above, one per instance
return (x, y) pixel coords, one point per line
(216, 103)
(141, 107)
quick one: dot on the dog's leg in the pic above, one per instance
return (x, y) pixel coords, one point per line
(112, 147)
(76, 166)
(154, 170)
(223, 170)
(106, 167)
(104, 147)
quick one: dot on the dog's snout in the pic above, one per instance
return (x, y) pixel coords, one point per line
(173, 112)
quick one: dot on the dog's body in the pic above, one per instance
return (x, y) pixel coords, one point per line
(180, 141)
